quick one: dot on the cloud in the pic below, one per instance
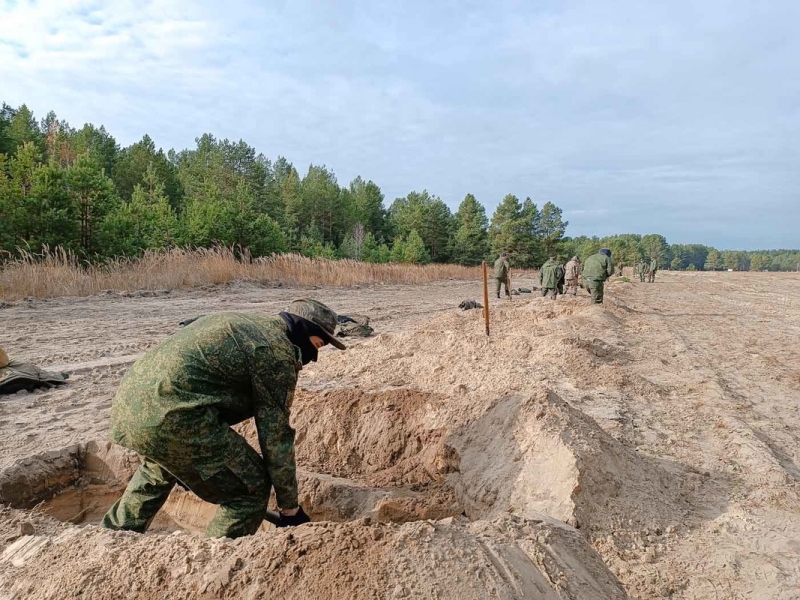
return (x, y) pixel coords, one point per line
(680, 118)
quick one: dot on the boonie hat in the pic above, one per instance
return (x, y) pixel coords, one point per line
(320, 315)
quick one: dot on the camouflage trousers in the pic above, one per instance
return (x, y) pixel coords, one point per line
(641, 276)
(504, 281)
(651, 277)
(571, 284)
(241, 489)
(595, 289)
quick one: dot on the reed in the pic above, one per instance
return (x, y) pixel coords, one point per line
(57, 272)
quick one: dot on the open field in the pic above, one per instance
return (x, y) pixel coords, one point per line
(648, 449)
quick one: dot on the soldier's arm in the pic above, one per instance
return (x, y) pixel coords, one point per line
(274, 380)
(609, 267)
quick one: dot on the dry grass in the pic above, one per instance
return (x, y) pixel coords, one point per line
(59, 273)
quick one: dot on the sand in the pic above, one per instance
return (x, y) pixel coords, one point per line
(647, 449)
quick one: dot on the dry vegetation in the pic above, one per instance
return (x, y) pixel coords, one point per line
(59, 273)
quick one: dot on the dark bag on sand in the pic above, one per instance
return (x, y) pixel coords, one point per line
(353, 325)
(469, 304)
(26, 376)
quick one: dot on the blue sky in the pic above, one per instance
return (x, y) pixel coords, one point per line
(682, 119)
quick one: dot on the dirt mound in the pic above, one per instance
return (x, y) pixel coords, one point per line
(531, 342)
(537, 454)
(505, 558)
(384, 438)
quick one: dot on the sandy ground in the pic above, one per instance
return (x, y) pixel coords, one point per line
(650, 446)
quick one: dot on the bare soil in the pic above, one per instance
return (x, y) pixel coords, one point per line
(645, 449)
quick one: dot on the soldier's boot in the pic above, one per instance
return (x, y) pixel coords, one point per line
(146, 493)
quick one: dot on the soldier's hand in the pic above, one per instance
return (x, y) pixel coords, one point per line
(293, 520)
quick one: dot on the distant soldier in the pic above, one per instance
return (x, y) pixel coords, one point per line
(571, 274)
(619, 270)
(641, 269)
(501, 269)
(550, 276)
(651, 272)
(596, 270)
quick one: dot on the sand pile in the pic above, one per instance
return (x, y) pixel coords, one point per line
(533, 454)
(503, 558)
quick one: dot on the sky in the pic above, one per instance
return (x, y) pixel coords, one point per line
(681, 119)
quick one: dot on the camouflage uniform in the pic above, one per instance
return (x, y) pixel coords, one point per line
(176, 405)
(641, 270)
(596, 270)
(501, 268)
(550, 276)
(571, 274)
(651, 272)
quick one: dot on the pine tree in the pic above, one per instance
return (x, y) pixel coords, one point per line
(429, 217)
(713, 261)
(513, 230)
(471, 241)
(93, 194)
(415, 251)
(551, 228)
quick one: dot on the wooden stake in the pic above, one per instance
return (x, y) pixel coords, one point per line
(486, 297)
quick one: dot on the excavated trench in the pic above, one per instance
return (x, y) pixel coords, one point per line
(359, 455)
(395, 456)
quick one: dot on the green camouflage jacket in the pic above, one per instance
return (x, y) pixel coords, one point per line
(221, 369)
(598, 267)
(501, 268)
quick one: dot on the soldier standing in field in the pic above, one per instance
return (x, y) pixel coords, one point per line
(501, 269)
(596, 270)
(571, 274)
(651, 272)
(640, 270)
(550, 276)
(176, 405)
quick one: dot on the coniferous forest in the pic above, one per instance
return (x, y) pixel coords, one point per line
(78, 189)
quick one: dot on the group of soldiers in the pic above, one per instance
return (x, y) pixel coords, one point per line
(555, 278)
(648, 271)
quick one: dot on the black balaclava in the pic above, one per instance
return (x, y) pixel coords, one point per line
(300, 332)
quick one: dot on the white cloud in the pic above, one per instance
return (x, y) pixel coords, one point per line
(627, 105)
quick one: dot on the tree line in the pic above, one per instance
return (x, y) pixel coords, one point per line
(78, 189)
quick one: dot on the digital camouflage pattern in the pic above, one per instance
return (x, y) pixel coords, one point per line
(353, 325)
(176, 406)
(571, 274)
